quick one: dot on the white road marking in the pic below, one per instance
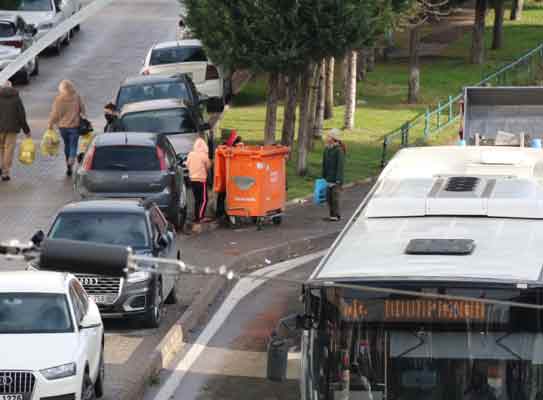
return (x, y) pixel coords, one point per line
(241, 290)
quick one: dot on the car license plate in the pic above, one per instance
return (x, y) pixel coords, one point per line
(98, 299)
(11, 397)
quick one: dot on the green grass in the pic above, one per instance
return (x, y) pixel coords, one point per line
(382, 99)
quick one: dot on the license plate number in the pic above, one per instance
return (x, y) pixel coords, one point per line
(98, 299)
(11, 397)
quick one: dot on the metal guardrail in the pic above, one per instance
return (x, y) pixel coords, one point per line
(520, 72)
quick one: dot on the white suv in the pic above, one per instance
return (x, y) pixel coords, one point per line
(52, 338)
(45, 15)
(189, 57)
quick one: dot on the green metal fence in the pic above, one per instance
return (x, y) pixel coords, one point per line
(523, 71)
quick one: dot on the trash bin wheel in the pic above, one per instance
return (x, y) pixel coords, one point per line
(277, 220)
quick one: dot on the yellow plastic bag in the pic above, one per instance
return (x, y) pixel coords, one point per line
(50, 143)
(84, 142)
(27, 151)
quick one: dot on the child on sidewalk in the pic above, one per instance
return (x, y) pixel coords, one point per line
(198, 164)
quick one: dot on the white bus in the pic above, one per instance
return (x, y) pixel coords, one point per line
(434, 289)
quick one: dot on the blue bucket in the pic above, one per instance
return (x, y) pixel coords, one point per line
(319, 192)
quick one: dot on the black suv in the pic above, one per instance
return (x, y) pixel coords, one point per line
(155, 87)
(138, 224)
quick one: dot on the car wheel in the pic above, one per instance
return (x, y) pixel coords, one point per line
(153, 316)
(172, 297)
(87, 390)
(24, 77)
(36, 71)
(99, 385)
(57, 48)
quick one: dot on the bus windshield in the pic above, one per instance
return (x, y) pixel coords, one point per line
(393, 348)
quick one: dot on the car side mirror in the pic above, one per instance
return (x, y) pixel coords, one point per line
(38, 238)
(162, 242)
(91, 319)
(205, 126)
(31, 30)
(181, 23)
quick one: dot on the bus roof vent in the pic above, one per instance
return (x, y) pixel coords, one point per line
(451, 247)
(461, 184)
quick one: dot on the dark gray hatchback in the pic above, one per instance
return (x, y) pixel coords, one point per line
(125, 165)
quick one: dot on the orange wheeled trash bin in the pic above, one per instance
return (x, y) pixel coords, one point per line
(255, 181)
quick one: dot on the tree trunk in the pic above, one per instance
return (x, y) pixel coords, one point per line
(271, 108)
(414, 68)
(370, 54)
(319, 104)
(304, 137)
(329, 96)
(362, 67)
(478, 40)
(497, 34)
(289, 120)
(350, 91)
(516, 10)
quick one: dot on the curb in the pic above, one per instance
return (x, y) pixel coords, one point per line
(172, 342)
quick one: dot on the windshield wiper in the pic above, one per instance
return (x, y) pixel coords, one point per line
(118, 166)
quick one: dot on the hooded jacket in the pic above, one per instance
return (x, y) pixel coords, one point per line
(66, 111)
(333, 164)
(12, 112)
(198, 161)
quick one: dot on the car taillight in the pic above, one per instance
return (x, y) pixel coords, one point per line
(89, 157)
(211, 73)
(161, 158)
(13, 43)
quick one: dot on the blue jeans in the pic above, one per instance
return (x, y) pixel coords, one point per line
(71, 139)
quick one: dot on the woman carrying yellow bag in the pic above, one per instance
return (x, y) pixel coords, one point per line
(50, 143)
(27, 151)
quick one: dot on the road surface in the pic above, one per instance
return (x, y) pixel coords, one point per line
(228, 360)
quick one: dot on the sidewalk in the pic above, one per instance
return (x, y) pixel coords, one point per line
(224, 246)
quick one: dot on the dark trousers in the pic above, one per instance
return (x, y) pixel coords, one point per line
(333, 198)
(221, 205)
(199, 189)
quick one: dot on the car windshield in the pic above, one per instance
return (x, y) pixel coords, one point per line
(7, 29)
(125, 158)
(176, 120)
(152, 91)
(174, 55)
(107, 228)
(34, 313)
(26, 5)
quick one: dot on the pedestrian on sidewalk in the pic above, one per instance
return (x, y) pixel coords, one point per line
(12, 121)
(229, 138)
(113, 124)
(332, 171)
(198, 164)
(67, 110)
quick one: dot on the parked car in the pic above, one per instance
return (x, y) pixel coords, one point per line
(121, 165)
(52, 338)
(189, 57)
(15, 37)
(155, 87)
(181, 123)
(44, 15)
(134, 223)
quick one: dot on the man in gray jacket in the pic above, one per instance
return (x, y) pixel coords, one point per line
(12, 121)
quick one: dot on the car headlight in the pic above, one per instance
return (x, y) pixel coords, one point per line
(45, 25)
(62, 371)
(138, 276)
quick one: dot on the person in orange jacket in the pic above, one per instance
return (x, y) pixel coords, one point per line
(198, 164)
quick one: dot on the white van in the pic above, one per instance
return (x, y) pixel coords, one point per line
(45, 15)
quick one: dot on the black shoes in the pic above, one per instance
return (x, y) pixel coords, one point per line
(6, 178)
(69, 170)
